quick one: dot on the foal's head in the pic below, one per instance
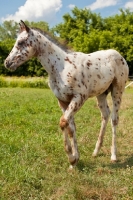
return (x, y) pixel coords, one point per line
(23, 50)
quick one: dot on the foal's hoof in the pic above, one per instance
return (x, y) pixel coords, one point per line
(73, 160)
(94, 155)
(114, 161)
(71, 168)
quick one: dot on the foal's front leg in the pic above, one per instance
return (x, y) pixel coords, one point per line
(70, 143)
(69, 130)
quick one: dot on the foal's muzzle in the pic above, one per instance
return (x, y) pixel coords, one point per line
(8, 64)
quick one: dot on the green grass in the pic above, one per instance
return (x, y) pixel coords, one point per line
(33, 164)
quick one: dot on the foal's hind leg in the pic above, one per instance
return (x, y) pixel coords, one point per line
(105, 112)
(116, 97)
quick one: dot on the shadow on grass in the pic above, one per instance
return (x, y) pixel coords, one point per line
(85, 166)
(128, 162)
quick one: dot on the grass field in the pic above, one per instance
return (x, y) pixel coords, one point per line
(33, 164)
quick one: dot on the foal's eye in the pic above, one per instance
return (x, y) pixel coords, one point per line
(20, 43)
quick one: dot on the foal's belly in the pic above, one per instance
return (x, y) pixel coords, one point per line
(66, 91)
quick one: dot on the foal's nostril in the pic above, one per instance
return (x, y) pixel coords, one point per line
(7, 64)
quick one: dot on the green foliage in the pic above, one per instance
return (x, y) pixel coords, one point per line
(42, 25)
(79, 25)
(8, 30)
(5, 47)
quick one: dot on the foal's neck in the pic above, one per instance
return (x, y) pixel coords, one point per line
(50, 55)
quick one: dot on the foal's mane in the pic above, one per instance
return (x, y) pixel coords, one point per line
(53, 39)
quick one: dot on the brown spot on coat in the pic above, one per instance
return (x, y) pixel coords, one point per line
(83, 75)
(68, 148)
(89, 63)
(115, 122)
(74, 66)
(67, 59)
(99, 76)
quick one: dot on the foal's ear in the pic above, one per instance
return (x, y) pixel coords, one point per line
(23, 27)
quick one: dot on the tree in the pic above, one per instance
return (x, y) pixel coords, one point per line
(8, 30)
(80, 24)
(5, 47)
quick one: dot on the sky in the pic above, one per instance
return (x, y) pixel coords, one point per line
(51, 11)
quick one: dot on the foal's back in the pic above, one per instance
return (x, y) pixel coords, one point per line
(92, 74)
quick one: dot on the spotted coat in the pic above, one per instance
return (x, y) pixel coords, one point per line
(74, 77)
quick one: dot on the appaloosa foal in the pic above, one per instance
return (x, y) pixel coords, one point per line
(74, 77)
